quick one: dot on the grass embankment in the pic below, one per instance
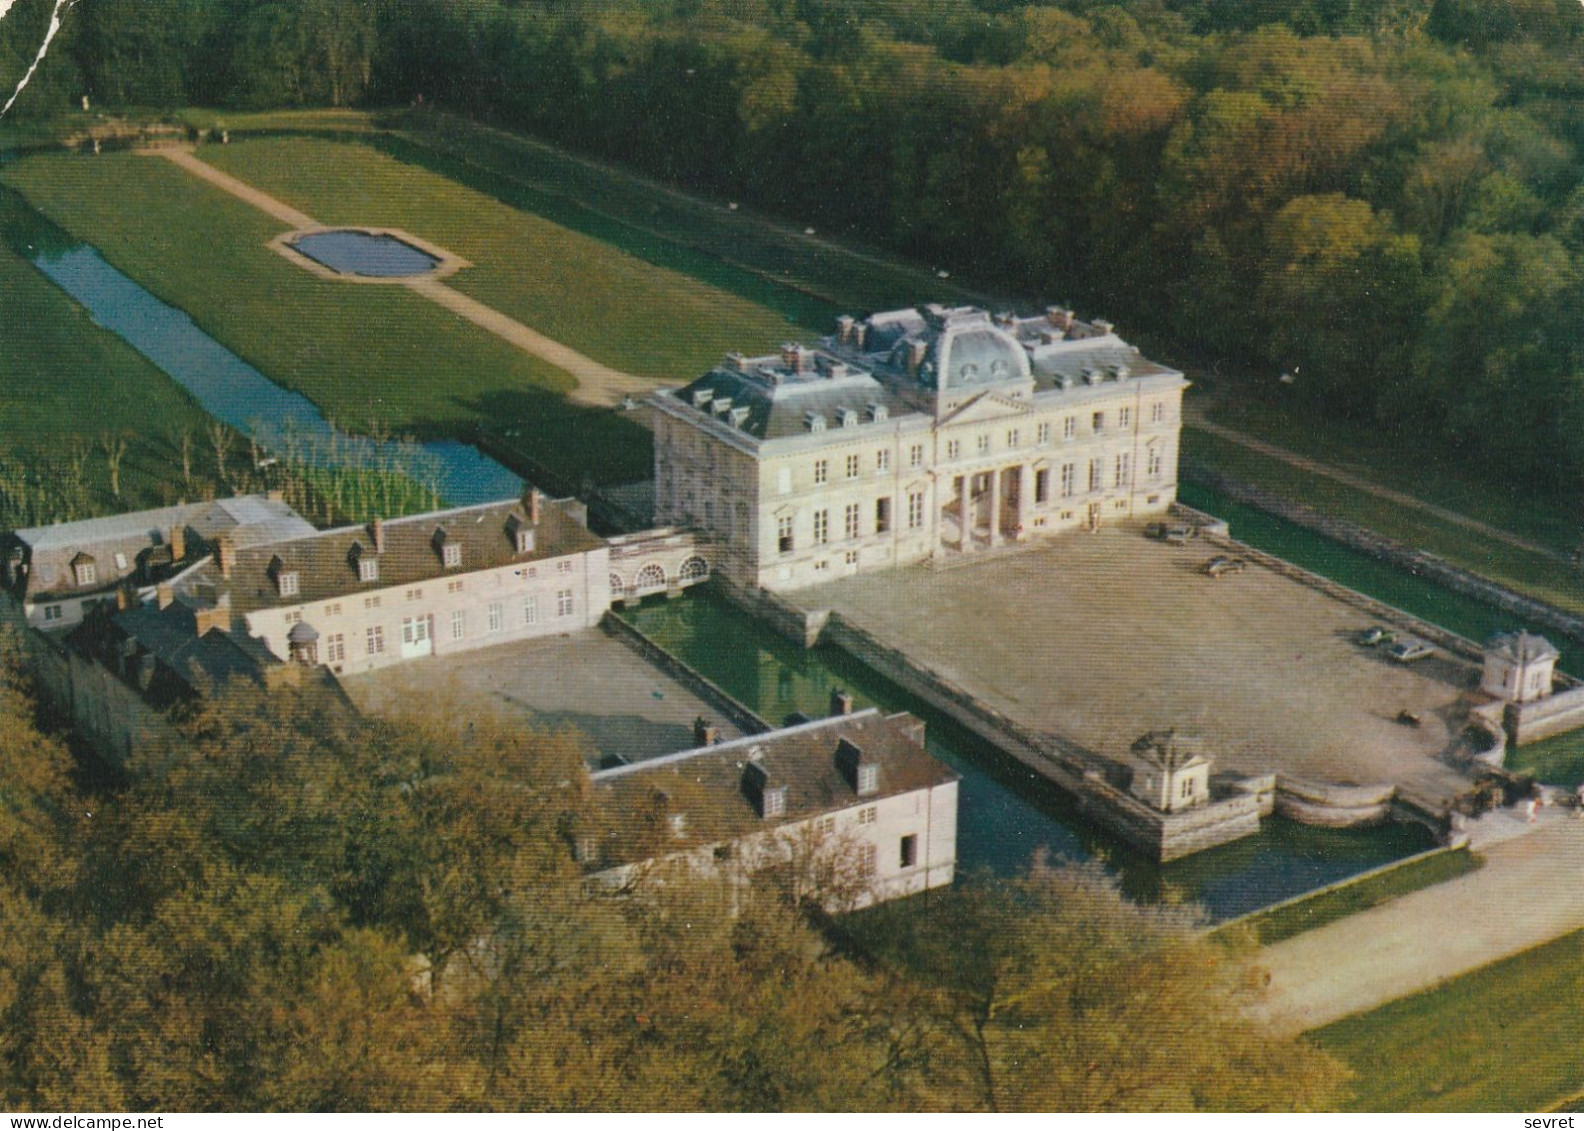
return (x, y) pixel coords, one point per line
(1503, 1038)
(1324, 907)
(1558, 760)
(583, 292)
(1523, 570)
(836, 273)
(66, 384)
(364, 354)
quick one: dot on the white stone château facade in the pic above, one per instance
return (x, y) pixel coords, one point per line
(915, 433)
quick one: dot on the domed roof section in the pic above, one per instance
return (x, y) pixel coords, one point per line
(967, 350)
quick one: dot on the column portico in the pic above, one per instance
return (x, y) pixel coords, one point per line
(995, 506)
(964, 518)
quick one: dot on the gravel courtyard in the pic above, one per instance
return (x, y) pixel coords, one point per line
(1102, 637)
(585, 680)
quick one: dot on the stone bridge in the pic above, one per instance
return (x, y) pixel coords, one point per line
(664, 560)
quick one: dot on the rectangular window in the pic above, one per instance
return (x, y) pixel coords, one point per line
(1153, 463)
(915, 510)
(87, 572)
(1094, 475)
(294, 618)
(1157, 412)
(415, 594)
(1069, 427)
(953, 449)
(290, 583)
(458, 624)
(1068, 481)
(916, 456)
(850, 557)
(1014, 437)
(1124, 416)
(563, 602)
(825, 826)
(869, 861)
(1123, 466)
(883, 459)
(566, 566)
(821, 470)
(1098, 422)
(375, 640)
(822, 567)
(495, 616)
(850, 520)
(52, 612)
(368, 569)
(333, 609)
(853, 463)
(908, 850)
(454, 586)
(335, 648)
(451, 556)
(868, 815)
(1042, 485)
(1043, 435)
(882, 516)
(821, 527)
(984, 444)
(784, 534)
(530, 610)
(371, 602)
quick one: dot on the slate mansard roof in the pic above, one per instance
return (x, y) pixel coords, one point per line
(896, 362)
(138, 547)
(1522, 647)
(812, 762)
(407, 550)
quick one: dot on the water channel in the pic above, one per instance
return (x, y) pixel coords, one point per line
(227, 387)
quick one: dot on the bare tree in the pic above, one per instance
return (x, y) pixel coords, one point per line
(114, 445)
(186, 442)
(220, 437)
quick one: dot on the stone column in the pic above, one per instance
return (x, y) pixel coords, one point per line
(995, 507)
(1025, 498)
(965, 521)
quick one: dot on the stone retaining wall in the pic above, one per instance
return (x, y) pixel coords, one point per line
(1333, 806)
(1530, 722)
(741, 716)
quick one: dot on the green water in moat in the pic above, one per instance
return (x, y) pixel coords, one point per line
(1006, 813)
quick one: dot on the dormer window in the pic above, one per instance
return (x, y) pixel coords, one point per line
(290, 582)
(877, 412)
(86, 573)
(814, 421)
(368, 568)
(525, 540)
(849, 418)
(773, 801)
(868, 779)
(451, 555)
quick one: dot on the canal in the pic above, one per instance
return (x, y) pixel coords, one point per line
(1008, 814)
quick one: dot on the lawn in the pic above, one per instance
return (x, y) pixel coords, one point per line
(1503, 1038)
(68, 383)
(1324, 907)
(362, 353)
(1523, 570)
(583, 292)
(1558, 760)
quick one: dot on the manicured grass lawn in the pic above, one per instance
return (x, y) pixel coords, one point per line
(1503, 1038)
(1402, 461)
(583, 292)
(1558, 760)
(362, 353)
(65, 381)
(1522, 570)
(1327, 907)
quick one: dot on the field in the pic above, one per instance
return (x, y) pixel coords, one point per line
(1558, 760)
(68, 383)
(1503, 1038)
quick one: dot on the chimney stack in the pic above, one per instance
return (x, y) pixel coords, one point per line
(844, 328)
(841, 702)
(178, 542)
(377, 533)
(533, 505)
(225, 553)
(164, 595)
(704, 734)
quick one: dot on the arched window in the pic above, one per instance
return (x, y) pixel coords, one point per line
(617, 585)
(650, 576)
(694, 569)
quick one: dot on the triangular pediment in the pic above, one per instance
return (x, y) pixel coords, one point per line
(984, 407)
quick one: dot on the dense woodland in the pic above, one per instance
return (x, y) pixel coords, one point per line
(289, 908)
(1380, 196)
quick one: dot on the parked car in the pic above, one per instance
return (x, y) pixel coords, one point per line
(1174, 532)
(1218, 566)
(1408, 649)
(1376, 634)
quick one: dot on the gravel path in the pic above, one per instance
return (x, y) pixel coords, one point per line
(1528, 893)
(596, 384)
